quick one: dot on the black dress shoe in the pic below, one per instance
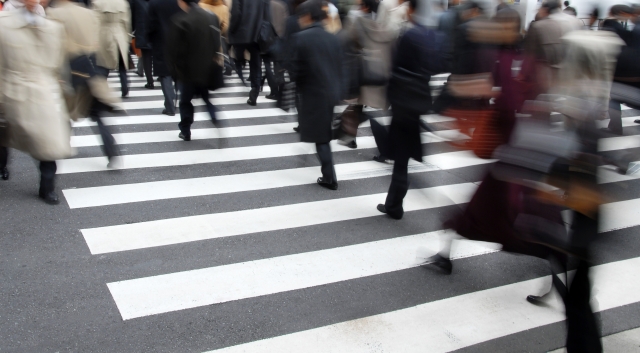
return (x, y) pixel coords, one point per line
(535, 299)
(166, 112)
(251, 102)
(50, 197)
(185, 138)
(150, 86)
(271, 97)
(4, 173)
(296, 129)
(330, 186)
(125, 94)
(637, 121)
(441, 263)
(383, 209)
(382, 159)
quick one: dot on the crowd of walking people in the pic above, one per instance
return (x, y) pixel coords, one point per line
(511, 83)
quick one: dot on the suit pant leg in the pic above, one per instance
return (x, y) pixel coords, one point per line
(4, 157)
(255, 69)
(187, 92)
(169, 93)
(615, 115)
(204, 93)
(47, 176)
(271, 78)
(124, 80)
(108, 142)
(326, 160)
(147, 59)
(399, 183)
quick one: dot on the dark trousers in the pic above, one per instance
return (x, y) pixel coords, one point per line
(615, 115)
(401, 152)
(326, 160)
(47, 176)
(169, 92)
(255, 67)
(187, 93)
(146, 64)
(122, 72)
(4, 156)
(583, 334)
(275, 75)
(108, 142)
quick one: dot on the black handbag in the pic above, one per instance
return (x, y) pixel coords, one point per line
(267, 35)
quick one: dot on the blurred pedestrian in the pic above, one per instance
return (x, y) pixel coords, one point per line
(115, 29)
(36, 124)
(569, 10)
(139, 14)
(316, 71)
(158, 20)
(274, 71)
(91, 94)
(221, 10)
(415, 59)
(194, 59)
(12, 5)
(368, 43)
(246, 22)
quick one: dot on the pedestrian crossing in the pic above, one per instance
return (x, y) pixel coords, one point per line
(237, 222)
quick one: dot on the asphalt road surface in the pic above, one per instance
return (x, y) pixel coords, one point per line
(226, 244)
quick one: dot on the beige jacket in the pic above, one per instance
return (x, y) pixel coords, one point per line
(115, 27)
(81, 38)
(30, 62)
(81, 26)
(219, 9)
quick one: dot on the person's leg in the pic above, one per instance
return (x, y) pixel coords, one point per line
(255, 72)
(326, 160)
(271, 78)
(615, 116)
(239, 61)
(140, 68)
(108, 142)
(187, 91)
(4, 159)
(47, 182)
(399, 186)
(204, 94)
(169, 95)
(147, 59)
(124, 80)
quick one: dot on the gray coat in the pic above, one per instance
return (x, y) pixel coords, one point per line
(317, 72)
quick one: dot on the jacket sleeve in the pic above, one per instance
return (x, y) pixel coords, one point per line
(127, 20)
(177, 41)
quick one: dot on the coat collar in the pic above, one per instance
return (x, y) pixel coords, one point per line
(18, 19)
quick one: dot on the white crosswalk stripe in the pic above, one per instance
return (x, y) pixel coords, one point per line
(264, 159)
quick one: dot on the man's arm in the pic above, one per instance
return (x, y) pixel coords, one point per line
(236, 14)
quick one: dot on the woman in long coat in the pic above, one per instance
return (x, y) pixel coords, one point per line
(115, 26)
(139, 10)
(31, 57)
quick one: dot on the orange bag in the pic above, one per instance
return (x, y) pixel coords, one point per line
(482, 126)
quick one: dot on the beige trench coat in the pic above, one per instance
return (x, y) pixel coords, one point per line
(30, 63)
(374, 39)
(115, 26)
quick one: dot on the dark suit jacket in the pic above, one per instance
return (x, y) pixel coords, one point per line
(194, 45)
(139, 9)
(246, 20)
(317, 73)
(159, 16)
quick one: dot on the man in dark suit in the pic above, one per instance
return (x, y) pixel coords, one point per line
(159, 17)
(316, 71)
(194, 59)
(139, 10)
(246, 21)
(414, 62)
